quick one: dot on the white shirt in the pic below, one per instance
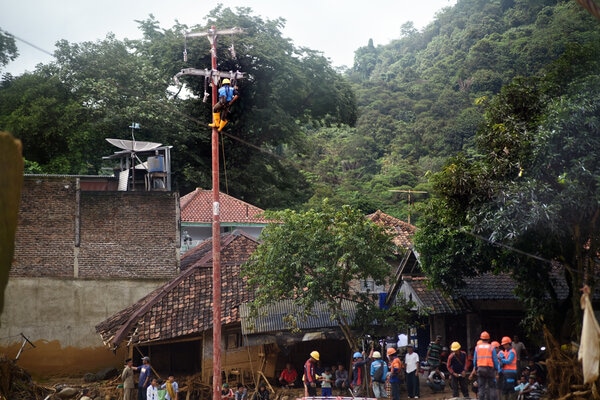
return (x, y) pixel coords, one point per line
(152, 393)
(411, 361)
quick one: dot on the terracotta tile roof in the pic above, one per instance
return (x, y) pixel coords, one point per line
(183, 306)
(403, 230)
(197, 207)
(433, 301)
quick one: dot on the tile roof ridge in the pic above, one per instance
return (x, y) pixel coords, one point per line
(184, 200)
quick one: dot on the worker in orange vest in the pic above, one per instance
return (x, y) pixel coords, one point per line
(487, 368)
(508, 362)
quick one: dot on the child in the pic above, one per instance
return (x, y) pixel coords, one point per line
(326, 381)
(172, 388)
(226, 392)
(262, 393)
(522, 384)
(241, 393)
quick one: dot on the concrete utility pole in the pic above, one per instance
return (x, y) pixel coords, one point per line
(215, 77)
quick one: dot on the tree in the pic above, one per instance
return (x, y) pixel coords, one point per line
(8, 48)
(315, 256)
(526, 200)
(96, 89)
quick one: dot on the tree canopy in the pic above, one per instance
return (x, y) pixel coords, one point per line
(320, 255)
(63, 111)
(525, 201)
(8, 48)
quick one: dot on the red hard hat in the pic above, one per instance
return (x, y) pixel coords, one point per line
(505, 340)
(484, 336)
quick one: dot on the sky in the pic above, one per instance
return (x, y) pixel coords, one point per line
(335, 27)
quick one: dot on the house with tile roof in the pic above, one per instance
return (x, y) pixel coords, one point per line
(173, 324)
(175, 320)
(402, 231)
(197, 216)
(486, 302)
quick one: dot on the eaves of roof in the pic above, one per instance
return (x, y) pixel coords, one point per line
(272, 318)
(183, 306)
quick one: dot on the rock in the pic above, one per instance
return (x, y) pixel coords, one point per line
(89, 377)
(67, 393)
(106, 373)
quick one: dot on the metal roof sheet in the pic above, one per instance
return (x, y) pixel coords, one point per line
(273, 317)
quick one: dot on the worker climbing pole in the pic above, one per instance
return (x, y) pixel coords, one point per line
(214, 76)
(227, 96)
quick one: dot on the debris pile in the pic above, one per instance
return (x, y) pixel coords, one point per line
(16, 383)
(565, 376)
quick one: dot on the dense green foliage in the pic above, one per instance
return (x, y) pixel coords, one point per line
(8, 48)
(314, 256)
(527, 194)
(297, 135)
(63, 112)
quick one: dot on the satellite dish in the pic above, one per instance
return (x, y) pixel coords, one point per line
(133, 146)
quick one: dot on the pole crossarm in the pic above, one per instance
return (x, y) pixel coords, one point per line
(215, 74)
(214, 32)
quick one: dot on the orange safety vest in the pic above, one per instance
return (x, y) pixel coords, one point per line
(513, 364)
(484, 355)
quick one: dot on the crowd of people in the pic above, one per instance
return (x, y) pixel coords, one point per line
(148, 384)
(490, 370)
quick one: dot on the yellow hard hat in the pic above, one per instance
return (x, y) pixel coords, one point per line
(455, 346)
(315, 355)
(226, 81)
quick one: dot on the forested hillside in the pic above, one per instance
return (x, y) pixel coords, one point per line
(302, 131)
(422, 97)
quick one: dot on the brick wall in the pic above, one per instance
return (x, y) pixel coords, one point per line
(64, 232)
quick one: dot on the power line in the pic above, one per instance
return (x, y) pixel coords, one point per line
(29, 43)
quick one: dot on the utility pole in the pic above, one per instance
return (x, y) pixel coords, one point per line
(409, 191)
(215, 76)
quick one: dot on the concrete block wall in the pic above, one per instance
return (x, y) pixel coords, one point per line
(80, 257)
(66, 232)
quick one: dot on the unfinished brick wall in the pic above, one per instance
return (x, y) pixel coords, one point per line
(65, 232)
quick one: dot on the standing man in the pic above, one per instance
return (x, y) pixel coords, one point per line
(358, 372)
(508, 363)
(310, 376)
(227, 96)
(457, 369)
(127, 378)
(378, 374)
(145, 378)
(521, 353)
(433, 352)
(411, 361)
(485, 364)
(395, 372)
